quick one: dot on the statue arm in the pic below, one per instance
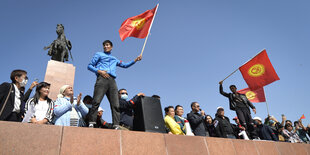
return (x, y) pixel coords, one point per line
(69, 45)
(47, 47)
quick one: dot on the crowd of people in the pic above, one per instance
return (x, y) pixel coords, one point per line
(17, 105)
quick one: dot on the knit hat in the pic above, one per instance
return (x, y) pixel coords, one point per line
(62, 90)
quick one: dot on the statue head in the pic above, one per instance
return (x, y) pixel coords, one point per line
(60, 29)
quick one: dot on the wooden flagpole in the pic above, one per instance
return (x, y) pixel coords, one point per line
(149, 30)
(242, 65)
(266, 104)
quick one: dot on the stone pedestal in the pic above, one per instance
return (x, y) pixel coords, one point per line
(58, 74)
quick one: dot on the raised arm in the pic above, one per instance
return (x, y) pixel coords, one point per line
(221, 90)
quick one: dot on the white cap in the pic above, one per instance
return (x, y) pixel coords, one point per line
(100, 109)
(219, 108)
(257, 118)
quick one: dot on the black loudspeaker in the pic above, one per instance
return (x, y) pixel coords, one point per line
(148, 115)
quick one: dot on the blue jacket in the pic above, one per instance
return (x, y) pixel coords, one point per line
(266, 133)
(107, 62)
(63, 108)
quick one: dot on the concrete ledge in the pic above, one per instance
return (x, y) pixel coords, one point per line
(32, 139)
(26, 138)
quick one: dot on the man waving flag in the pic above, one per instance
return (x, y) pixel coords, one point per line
(137, 26)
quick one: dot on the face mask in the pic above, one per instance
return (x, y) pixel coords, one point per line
(271, 121)
(88, 106)
(124, 96)
(23, 83)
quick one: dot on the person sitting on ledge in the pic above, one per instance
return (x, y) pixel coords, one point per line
(173, 126)
(289, 134)
(209, 126)
(39, 108)
(100, 123)
(127, 108)
(11, 105)
(68, 110)
(179, 111)
(222, 125)
(196, 119)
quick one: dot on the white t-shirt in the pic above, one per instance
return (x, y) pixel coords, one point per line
(17, 100)
(40, 110)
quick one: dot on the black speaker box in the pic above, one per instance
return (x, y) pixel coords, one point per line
(148, 116)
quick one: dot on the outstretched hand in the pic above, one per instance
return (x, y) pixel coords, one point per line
(254, 110)
(139, 58)
(221, 82)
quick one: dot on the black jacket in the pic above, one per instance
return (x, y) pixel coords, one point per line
(210, 130)
(266, 133)
(223, 127)
(4, 90)
(126, 110)
(196, 121)
(232, 104)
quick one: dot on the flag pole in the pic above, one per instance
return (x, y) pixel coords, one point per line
(267, 105)
(149, 30)
(242, 65)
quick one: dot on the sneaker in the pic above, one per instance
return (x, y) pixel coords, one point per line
(91, 124)
(118, 127)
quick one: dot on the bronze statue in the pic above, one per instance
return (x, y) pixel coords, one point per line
(59, 48)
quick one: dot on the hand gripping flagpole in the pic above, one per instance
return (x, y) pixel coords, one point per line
(149, 31)
(242, 65)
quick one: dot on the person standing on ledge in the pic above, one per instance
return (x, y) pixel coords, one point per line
(239, 103)
(103, 64)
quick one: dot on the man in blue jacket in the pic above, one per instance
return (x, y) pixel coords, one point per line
(103, 64)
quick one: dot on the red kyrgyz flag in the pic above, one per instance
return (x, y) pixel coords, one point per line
(254, 96)
(137, 26)
(303, 117)
(259, 71)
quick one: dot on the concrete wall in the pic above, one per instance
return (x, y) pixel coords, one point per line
(23, 138)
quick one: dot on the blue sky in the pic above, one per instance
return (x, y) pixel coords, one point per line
(192, 46)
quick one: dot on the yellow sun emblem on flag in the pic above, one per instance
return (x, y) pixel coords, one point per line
(138, 23)
(256, 70)
(250, 95)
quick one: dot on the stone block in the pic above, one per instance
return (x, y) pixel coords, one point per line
(244, 147)
(266, 148)
(220, 146)
(59, 74)
(136, 143)
(284, 148)
(78, 140)
(299, 149)
(178, 144)
(25, 138)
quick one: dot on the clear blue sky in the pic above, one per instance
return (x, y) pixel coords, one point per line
(193, 45)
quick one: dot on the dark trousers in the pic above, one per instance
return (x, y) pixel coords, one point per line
(107, 87)
(244, 116)
(14, 117)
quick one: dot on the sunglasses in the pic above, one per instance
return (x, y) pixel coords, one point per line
(124, 93)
